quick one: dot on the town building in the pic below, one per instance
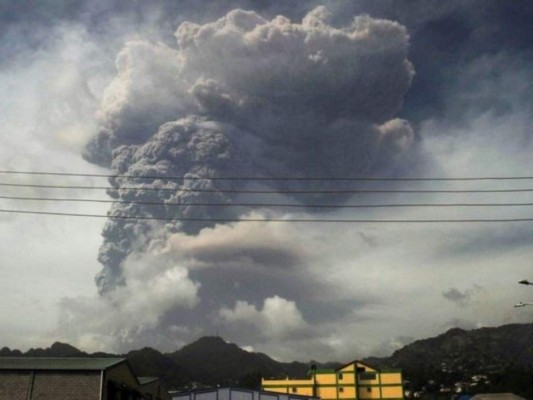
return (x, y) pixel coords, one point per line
(352, 381)
(43, 378)
(153, 389)
(230, 393)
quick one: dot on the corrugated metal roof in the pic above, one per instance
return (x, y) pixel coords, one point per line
(234, 390)
(497, 396)
(58, 363)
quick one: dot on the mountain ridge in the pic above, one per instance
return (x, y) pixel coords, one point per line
(502, 353)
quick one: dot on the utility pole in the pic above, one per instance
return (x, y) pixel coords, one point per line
(521, 303)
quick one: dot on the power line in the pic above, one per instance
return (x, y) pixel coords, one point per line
(263, 178)
(288, 205)
(346, 191)
(290, 220)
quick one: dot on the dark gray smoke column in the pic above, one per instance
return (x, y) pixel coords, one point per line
(244, 96)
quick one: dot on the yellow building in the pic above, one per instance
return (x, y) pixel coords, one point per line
(352, 381)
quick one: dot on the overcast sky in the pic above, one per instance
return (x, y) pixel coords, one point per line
(335, 89)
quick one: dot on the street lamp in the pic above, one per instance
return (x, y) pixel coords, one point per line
(522, 304)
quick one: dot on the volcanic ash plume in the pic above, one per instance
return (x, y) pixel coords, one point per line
(244, 96)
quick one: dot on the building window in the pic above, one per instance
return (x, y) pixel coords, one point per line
(294, 390)
(340, 377)
(367, 376)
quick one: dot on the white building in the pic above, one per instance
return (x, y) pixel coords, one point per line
(229, 393)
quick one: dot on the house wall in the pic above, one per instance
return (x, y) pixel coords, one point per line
(66, 385)
(156, 390)
(48, 385)
(122, 374)
(393, 392)
(302, 387)
(391, 378)
(14, 385)
(352, 381)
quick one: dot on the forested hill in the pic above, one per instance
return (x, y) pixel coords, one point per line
(209, 361)
(500, 359)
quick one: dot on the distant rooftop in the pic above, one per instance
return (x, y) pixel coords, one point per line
(497, 396)
(58, 363)
(144, 380)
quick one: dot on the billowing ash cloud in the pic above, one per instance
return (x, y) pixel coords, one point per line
(461, 298)
(244, 96)
(260, 95)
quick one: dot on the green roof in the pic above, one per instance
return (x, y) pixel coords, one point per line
(58, 363)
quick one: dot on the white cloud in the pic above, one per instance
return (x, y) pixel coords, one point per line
(130, 314)
(277, 318)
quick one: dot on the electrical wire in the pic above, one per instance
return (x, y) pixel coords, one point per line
(285, 205)
(289, 220)
(347, 191)
(262, 178)
(267, 204)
